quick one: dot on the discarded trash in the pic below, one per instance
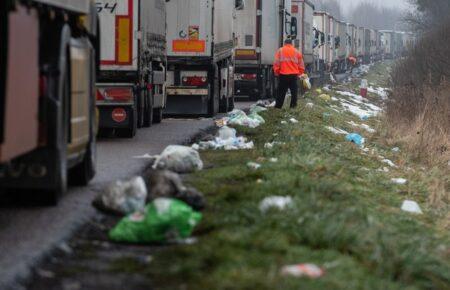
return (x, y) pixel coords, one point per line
(325, 97)
(239, 117)
(226, 133)
(303, 270)
(271, 145)
(263, 103)
(306, 83)
(355, 138)
(236, 143)
(257, 109)
(162, 220)
(400, 181)
(319, 91)
(123, 197)
(221, 122)
(283, 122)
(363, 87)
(381, 92)
(254, 165)
(362, 126)
(180, 159)
(411, 206)
(293, 121)
(309, 105)
(396, 149)
(273, 160)
(365, 118)
(389, 162)
(277, 202)
(337, 131)
(168, 184)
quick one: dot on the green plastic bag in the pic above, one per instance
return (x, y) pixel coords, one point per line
(163, 219)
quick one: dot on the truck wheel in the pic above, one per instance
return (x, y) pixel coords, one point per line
(81, 174)
(231, 104)
(148, 112)
(223, 107)
(157, 115)
(131, 131)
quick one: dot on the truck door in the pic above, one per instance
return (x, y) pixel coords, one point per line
(189, 27)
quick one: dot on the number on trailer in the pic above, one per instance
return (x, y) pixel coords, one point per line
(108, 6)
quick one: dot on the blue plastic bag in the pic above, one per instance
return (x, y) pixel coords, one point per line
(355, 138)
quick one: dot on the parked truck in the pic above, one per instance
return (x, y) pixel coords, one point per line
(200, 44)
(131, 81)
(47, 95)
(260, 29)
(303, 34)
(340, 64)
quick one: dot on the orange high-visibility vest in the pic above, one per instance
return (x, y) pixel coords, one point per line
(288, 61)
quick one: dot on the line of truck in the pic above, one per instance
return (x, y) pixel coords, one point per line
(75, 69)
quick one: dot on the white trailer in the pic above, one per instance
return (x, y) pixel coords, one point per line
(388, 43)
(200, 43)
(47, 96)
(341, 46)
(303, 21)
(260, 27)
(130, 91)
(361, 40)
(323, 22)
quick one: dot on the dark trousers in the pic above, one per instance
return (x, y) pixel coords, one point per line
(286, 82)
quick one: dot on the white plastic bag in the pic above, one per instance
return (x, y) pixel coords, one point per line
(123, 197)
(277, 202)
(180, 159)
(226, 133)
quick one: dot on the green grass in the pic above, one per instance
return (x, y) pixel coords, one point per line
(346, 216)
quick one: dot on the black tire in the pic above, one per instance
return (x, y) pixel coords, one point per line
(81, 174)
(157, 115)
(223, 107)
(148, 112)
(140, 105)
(231, 104)
(53, 194)
(131, 131)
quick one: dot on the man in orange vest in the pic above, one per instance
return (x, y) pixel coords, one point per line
(288, 67)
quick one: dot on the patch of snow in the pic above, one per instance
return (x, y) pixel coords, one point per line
(337, 131)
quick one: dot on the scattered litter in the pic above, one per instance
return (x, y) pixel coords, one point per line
(221, 122)
(168, 184)
(303, 270)
(254, 165)
(293, 121)
(400, 181)
(164, 219)
(123, 197)
(226, 133)
(231, 143)
(362, 126)
(384, 169)
(273, 160)
(239, 117)
(396, 149)
(355, 138)
(319, 91)
(271, 145)
(364, 117)
(180, 159)
(259, 181)
(306, 82)
(325, 97)
(411, 206)
(283, 122)
(389, 162)
(309, 105)
(276, 202)
(337, 131)
(257, 109)
(264, 103)
(326, 89)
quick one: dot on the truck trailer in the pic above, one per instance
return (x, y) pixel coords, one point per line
(340, 64)
(200, 44)
(130, 92)
(302, 19)
(47, 95)
(260, 28)
(324, 23)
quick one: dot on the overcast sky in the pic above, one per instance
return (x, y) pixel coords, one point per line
(390, 3)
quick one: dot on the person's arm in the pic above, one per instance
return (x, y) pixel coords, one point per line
(277, 64)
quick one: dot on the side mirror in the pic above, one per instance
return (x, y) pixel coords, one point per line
(294, 28)
(239, 4)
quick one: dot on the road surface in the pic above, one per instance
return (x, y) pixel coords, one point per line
(28, 233)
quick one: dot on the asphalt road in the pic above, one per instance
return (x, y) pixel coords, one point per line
(27, 234)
